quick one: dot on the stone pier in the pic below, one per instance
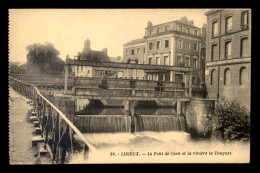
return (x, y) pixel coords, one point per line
(197, 114)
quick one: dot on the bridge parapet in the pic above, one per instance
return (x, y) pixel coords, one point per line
(55, 80)
(57, 129)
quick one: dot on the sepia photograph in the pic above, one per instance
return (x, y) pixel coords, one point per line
(129, 86)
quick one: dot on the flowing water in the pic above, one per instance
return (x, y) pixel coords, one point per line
(152, 147)
(115, 120)
(158, 137)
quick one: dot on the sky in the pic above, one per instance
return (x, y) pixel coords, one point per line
(67, 29)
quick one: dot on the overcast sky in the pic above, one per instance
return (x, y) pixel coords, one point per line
(67, 29)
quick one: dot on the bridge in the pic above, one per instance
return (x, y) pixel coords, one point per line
(56, 128)
(115, 91)
(56, 119)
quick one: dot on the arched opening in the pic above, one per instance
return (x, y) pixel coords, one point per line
(242, 76)
(227, 76)
(212, 77)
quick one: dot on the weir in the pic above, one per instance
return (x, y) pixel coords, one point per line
(103, 123)
(159, 123)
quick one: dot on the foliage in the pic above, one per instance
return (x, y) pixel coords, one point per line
(231, 120)
(15, 69)
(43, 59)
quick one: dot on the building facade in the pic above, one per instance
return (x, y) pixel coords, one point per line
(228, 54)
(92, 55)
(175, 43)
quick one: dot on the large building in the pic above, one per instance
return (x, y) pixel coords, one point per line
(92, 55)
(228, 54)
(175, 43)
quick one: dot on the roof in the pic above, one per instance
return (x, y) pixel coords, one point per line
(211, 11)
(94, 55)
(140, 40)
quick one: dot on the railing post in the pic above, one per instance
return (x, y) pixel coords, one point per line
(86, 152)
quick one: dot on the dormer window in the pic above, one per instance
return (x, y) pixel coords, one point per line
(179, 28)
(158, 30)
(195, 32)
(167, 28)
(188, 30)
(150, 32)
(132, 51)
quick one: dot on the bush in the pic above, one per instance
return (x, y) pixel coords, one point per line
(231, 121)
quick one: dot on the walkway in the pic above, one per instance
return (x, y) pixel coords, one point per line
(21, 131)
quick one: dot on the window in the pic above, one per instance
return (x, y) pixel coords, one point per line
(228, 24)
(227, 76)
(179, 60)
(138, 50)
(150, 32)
(144, 49)
(195, 46)
(187, 61)
(158, 45)
(244, 20)
(187, 46)
(160, 77)
(214, 52)
(215, 29)
(96, 73)
(132, 51)
(228, 49)
(167, 28)
(195, 63)
(179, 28)
(167, 77)
(127, 52)
(188, 30)
(166, 60)
(166, 43)
(150, 46)
(158, 30)
(212, 77)
(157, 60)
(242, 76)
(150, 61)
(244, 47)
(195, 32)
(179, 44)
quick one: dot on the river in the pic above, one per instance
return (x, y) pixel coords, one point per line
(153, 146)
(177, 144)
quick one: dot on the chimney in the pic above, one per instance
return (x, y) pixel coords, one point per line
(203, 30)
(149, 24)
(86, 48)
(104, 50)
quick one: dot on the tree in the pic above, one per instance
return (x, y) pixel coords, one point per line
(15, 69)
(43, 59)
(231, 120)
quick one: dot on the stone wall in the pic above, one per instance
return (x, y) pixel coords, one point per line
(197, 114)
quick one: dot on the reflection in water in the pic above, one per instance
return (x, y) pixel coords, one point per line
(160, 142)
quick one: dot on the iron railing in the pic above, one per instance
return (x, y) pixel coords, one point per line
(57, 129)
